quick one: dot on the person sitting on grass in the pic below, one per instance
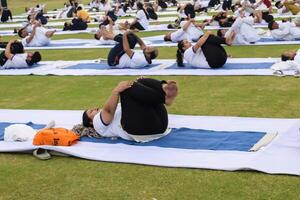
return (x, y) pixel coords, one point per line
(141, 115)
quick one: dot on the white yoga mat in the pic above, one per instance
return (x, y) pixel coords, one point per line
(234, 66)
(281, 156)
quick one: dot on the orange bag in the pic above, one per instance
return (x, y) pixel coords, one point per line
(55, 137)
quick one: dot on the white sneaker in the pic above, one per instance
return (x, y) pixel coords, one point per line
(297, 74)
(278, 73)
(41, 154)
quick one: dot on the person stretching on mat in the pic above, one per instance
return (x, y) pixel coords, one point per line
(141, 116)
(206, 53)
(122, 54)
(39, 36)
(190, 31)
(14, 56)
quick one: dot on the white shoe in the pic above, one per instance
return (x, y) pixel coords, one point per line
(51, 124)
(41, 154)
(278, 73)
(297, 74)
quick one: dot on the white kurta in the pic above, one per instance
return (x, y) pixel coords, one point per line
(245, 33)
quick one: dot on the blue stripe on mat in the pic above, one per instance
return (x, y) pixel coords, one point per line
(228, 66)
(184, 138)
(3, 125)
(101, 65)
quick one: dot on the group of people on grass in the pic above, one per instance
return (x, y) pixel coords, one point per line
(135, 110)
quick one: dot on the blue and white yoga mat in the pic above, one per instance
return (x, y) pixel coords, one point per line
(280, 156)
(181, 138)
(233, 66)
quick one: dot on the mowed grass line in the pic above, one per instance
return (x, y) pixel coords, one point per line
(24, 177)
(248, 96)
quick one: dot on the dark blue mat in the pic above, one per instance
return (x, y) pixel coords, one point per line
(184, 138)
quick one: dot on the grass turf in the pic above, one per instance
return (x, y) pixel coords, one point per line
(23, 177)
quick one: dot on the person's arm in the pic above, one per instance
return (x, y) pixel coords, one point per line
(49, 34)
(201, 41)
(7, 51)
(32, 34)
(126, 46)
(109, 108)
(186, 25)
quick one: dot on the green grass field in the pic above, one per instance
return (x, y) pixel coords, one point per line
(24, 177)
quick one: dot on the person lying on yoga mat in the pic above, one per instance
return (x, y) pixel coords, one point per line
(15, 57)
(190, 31)
(206, 53)
(141, 115)
(38, 37)
(284, 31)
(290, 62)
(245, 32)
(122, 54)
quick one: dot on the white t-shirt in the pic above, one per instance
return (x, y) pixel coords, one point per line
(137, 60)
(114, 129)
(283, 32)
(17, 61)
(245, 33)
(39, 39)
(193, 33)
(196, 59)
(178, 35)
(142, 19)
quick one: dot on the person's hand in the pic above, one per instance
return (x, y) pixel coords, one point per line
(123, 85)
(128, 32)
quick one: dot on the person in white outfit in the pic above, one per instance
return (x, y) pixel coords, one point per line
(12, 59)
(190, 31)
(284, 31)
(290, 61)
(245, 33)
(39, 36)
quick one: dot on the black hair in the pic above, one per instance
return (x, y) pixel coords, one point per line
(270, 25)
(79, 8)
(96, 37)
(179, 56)
(219, 33)
(284, 57)
(20, 32)
(277, 4)
(268, 18)
(86, 121)
(140, 6)
(225, 24)
(166, 39)
(36, 57)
